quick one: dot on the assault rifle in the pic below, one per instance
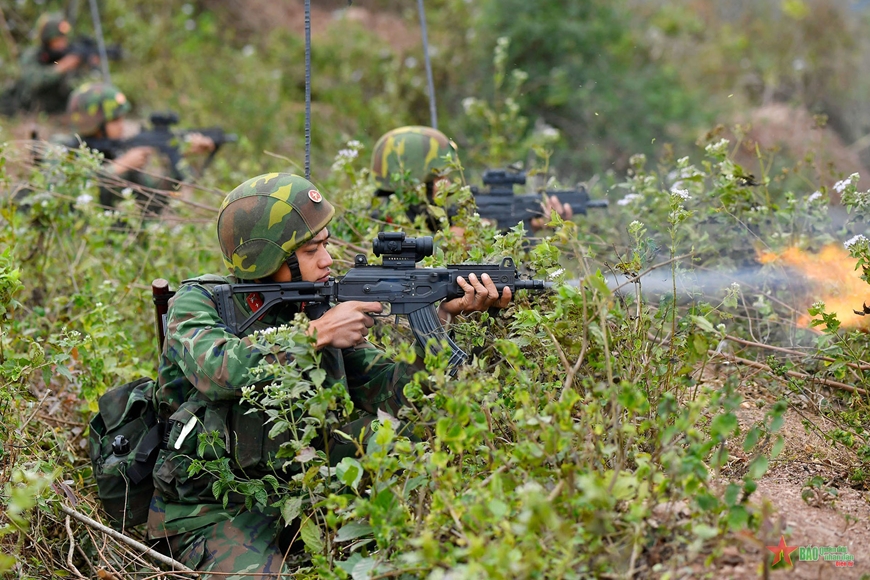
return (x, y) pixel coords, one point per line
(162, 138)
(499, 203)
(87, 48)
(409, 290)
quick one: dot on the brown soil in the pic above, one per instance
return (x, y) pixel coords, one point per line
(256, 17)
(838, 517)
(797, 133)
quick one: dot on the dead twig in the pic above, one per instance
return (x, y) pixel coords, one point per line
(115, 535)
(72, 548)
(856, 366)
(794, 374)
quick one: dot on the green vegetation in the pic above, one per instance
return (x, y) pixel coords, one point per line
(596, 432)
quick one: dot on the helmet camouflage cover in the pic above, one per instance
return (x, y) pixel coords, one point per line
(417, 151)
(93, 104)
(51, 26)
(265, 219)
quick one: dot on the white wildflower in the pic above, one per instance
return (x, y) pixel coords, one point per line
(735, 286)
(348, 154)
(635, 224)
(681, 193)
(840, 186)
(628, 199)
(859, 239)
(815, 195)
(248, 50)
(550, 133)
(84, 199)
(468, 104)
(126, 192)
(354, 144)
(718, 148)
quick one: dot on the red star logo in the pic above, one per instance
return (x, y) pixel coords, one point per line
(782, 551)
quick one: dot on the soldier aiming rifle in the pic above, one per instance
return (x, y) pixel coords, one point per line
(48, 70)
(499, 203)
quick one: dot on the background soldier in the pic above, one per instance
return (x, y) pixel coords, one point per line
(47, 70)
(408, 156)
(97, 111)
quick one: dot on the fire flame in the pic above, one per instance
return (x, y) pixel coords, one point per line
(832, 279)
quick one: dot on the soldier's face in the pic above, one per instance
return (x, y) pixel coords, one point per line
(58, 44)
(115, 129)
(314, 261)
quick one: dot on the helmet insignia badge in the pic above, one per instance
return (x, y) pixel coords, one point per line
(315, 196)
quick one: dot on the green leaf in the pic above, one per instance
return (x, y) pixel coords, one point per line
(6, 562)
(731, 493)
(317, 376)
(312, 537)
(362, 569)
(348, 564)
(349, 472)
(758, 467)
(704, 531)
(290, 510)
(352, 531)
(704, 324)
(777, 447)
(751, 439)
(723, 425)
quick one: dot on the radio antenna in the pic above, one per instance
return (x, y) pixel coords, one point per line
(433, 113)
(308, 89)
(101, 44)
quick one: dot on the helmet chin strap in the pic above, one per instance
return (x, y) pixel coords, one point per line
(293, 263)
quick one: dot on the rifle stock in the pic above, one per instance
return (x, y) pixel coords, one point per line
(409, 290)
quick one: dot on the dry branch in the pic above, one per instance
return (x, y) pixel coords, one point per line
(115, 535)
(795, 374)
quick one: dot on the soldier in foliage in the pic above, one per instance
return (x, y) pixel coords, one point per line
(408, 156)
(47, 70)
(97, 112)
(271, 228)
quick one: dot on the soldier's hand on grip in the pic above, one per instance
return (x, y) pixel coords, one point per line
(345, 325)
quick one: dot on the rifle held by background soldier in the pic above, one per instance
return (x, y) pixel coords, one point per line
(162, 138)
(499, 203)
(88, 49)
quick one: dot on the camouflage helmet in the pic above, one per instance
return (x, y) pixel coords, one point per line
(265, 219)
(93, 104)
(50, 26)
(419, 151)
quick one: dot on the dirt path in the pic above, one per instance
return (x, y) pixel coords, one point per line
(836, 515)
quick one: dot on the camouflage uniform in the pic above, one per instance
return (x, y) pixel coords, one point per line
(204, 367)
(39, 86)
(407, 156)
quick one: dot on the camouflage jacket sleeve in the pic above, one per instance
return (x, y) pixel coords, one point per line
(199, 345)
(36, 75)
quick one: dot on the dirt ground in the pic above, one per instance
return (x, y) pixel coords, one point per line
(840, 517)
